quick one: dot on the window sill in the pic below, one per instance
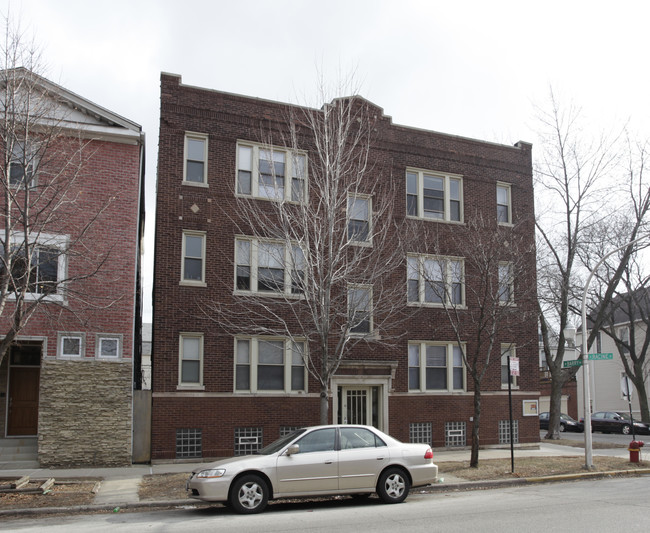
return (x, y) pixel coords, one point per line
(435, 306)
(192, 284)
(267, 199)
(361, 244)
(437, 392)
(505, 387)
(441, 220)
(285, 295)
(190, 387)
(196, 184)
(506, 224)
(270, 393)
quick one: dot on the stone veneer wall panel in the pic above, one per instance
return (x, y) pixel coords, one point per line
(85, 413)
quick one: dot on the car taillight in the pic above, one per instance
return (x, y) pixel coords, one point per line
(428, 454)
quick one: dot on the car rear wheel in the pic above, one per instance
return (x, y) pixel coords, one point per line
(393, 486)
(249, 494)
(626, 429)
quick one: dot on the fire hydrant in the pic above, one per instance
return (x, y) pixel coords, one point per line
(634, 449)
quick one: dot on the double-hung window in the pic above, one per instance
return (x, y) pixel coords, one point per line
(22, 165)
(267, 364)
(193, 265)
(435, 280)
(504, 204)
(507, 350)
(271, 173)
(195, 171)
(435, 367)
(360, 309)
(359, 223)
(190, 361)
(506, 283)
(434, 195)
(38, 269)
(268, 267)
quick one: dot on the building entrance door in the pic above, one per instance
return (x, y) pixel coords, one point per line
(24, 377)
(359, 405)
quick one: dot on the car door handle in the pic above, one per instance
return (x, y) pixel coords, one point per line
(328, 462)
(380, 458)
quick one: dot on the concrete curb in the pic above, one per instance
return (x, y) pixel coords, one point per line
(442, 487)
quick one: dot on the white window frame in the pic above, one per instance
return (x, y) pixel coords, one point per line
(253, 260)
(46, 240)
(508, 349)
(62, 337)
(253, 364)
(100, 338)
(422, 355)
(190, 384)
(506, 268)
(623, 333)
(447, 179)
(371, 325)
(448, 274)
(203, 236)
(368, 199)
(291, 171)
(204, 139)
(508, 189)
(26, 153)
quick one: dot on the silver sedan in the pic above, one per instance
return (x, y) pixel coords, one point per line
(318, 461)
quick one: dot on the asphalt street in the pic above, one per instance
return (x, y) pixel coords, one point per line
(600, 505)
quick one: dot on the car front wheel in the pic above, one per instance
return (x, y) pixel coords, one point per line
(393, 486)
(626, 429)
(562, 428)
(249, 495)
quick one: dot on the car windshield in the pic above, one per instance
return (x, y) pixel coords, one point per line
(280, 443)
(624, 416)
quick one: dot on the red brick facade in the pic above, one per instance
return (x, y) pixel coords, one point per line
(214, 407)
(83, 402)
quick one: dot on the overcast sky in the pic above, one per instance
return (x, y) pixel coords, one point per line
(470, 68)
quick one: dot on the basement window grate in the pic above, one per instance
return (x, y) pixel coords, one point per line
(421, 432)
(504, 432)
(189, 443)
(247, 440)
(455, 434)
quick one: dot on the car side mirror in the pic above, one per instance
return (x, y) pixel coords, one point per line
(294, 448)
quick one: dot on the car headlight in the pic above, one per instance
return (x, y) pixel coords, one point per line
(215, 472)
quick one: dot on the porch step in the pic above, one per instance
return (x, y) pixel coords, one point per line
(18, 453)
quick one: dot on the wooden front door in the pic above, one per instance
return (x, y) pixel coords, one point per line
(23, 401)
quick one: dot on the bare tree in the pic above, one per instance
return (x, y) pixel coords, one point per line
(628, 325)
(327, 249)
(44, 218)
(486, 299)
(575, 191)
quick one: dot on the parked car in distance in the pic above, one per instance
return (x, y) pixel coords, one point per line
(617, 422)
(566, 423)
(317, 461)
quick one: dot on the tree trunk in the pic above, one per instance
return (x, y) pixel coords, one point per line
(639, 385)
(324, 406)
(555, 408)
(473, 462)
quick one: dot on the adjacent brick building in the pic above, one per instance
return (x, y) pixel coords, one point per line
(213, 391)
(68, 377)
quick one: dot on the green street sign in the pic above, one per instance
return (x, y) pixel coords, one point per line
(575, 362)
(600, 356)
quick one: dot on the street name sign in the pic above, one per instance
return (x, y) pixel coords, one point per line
(600, 356)
(574, 362)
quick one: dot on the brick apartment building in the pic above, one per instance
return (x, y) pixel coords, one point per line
(66, 383)
(215, 388)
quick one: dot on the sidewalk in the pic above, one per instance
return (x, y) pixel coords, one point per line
(119, 486)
